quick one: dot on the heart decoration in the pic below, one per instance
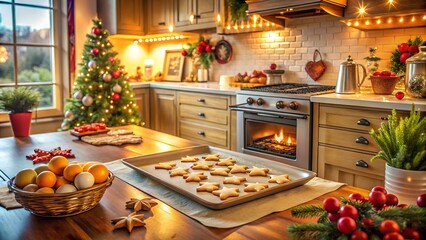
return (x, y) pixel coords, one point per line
(315, 69)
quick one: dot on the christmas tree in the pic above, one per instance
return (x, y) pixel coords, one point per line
(101, 92)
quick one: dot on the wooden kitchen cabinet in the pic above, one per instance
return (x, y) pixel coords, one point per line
(204, 12)
(143, 102)
(122, 16)
(159, 16)
(163, 110)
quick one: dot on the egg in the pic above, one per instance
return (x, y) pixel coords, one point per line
(41, 168)
(66, 188)
(31, 187)
(25, 177)
(84, 180)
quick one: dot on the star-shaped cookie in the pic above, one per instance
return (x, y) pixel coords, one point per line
(225, 193)
(140, 204)
(255, 187)
(220, 171)
(208, 187)
(167, 166)
(180, 171)
(201, 166)
(189, 159)
(255, 171)
(194, 177)
(211, 157)
(234, 180)
(226, 162)
(238, 169)
(279, 179)
(129, 222)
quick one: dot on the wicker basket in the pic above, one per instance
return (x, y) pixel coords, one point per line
(383, 85)
(60, 204)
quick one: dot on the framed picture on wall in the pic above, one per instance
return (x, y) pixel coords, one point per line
(173, 65)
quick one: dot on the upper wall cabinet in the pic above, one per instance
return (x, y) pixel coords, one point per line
(195, 14)
(160, 16)
(122, 16)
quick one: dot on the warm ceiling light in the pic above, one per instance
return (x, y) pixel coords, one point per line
(413, 19)
(378, 21)
(424, 17)
(356, 23)
(349, 24)
(367, 22)
(401, 19)
(390, 20)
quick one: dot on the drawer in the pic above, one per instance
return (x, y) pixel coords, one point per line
(203, 133)
(352, 118)
(203, 114)
(348, 160)
(205, 100)
(348, 139)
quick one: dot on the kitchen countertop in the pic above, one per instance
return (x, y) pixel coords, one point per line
(209, 87)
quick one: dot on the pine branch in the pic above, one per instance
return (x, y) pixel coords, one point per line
(311, 231)
(307, 211)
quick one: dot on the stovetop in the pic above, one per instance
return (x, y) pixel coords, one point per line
(292, 88)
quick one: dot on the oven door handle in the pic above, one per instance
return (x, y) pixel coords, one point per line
(266, 113)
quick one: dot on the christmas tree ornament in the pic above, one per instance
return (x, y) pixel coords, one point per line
(69, 115)
(96, 30)
(116, 97)
(116, 73)
(399, 95)
(91, 64)
(65, 125)
(116, 88)
(87, 100)
(78, 95)
(106, 77)
(111, 60)
(95, 51)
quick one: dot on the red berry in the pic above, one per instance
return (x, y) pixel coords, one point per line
(333, 217)
(356, 197)
(377, 199)
(403, 48)
(208, 48)
(379, 189)
(346, 225)
(413, 49)
(359, 235)
(391, 200)
(331, 205)
(184, 53)
(404, 57)
(410, 233)
(393, 236)
(349, 211)
(399, 95)
(200, 48)
(421, 200)
(368, 222)
(273, 66)
(389, 226)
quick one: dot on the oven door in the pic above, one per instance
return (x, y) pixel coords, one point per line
(277, 136)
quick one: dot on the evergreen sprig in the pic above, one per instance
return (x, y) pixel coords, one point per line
(238, 9)
(307, 211)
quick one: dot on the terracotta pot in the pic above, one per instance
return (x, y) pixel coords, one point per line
(407, 185)
(21, 123)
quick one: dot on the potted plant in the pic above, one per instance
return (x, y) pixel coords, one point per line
(19, 102)
(402, 142)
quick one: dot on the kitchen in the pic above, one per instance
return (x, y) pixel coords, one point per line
(290, 48)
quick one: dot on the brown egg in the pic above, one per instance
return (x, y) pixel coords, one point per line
(262, 80)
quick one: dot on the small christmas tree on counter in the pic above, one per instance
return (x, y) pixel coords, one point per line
(101, 92)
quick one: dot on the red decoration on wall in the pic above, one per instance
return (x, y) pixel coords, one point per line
(116, 73)
(116, 97)
(95, 51)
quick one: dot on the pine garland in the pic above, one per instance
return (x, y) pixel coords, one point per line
(238, 9)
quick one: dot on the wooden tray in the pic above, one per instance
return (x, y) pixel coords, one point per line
(145, 165)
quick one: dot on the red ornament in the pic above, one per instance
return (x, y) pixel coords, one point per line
(399, 95)
(111, 60)
(208, 48)
(368, 222)
(391, 200)
(410, 233)
(96, 31)
(273, 66)
(95, 51)
(346, 225)
(377, 199)
(184, 53)
(331, 205)
(421, 200)
(403, 48)
(404, 57)
(116, 97)
(393, 236)
(379, 189)
(349, 211)
(389, 226)
(116, 73)
(333, 216)
(359, 235)
(356, 197)
(413, 49)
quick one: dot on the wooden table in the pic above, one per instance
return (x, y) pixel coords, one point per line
(162, 222)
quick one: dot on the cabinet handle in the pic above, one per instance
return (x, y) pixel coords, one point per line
(384, 118)
(361, 163)
(162, 23)
(197, 16)
(363, 122)
(201, 100)
(362, 140)
(200, 114)
(201, 133)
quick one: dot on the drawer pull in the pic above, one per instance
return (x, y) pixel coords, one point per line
(363, 122)
(361, 163)
(384, 118)
(362, 140)
(201, 100)
(201, 133)
(200, 114)
(162, 23)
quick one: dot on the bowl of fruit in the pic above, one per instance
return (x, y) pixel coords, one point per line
(384, 82)
(61, 188)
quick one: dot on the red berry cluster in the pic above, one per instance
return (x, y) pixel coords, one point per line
(407, 51)
(90, 127)
(40, 155)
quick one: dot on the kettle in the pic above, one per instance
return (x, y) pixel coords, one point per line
(348, 78)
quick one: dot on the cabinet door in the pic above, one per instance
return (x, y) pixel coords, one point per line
(204, 12)
(183, 11)
(122, 16)
(142, 101)
(160, 16)
(163, 111)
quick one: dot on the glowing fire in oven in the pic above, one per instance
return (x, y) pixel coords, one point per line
(280, 139)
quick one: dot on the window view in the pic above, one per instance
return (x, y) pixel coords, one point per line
(27, 47)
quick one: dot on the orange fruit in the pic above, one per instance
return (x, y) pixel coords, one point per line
(45, 190)
(46, 179)
(25, 177)
(31, 187)
(41, 168)
(60, 180)
(87, 165)
(99, 171)
(71, 171)
(57, 164)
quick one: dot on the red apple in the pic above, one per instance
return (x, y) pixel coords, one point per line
(273, 66)
(404, 57)
(413, 49)
(403, 48)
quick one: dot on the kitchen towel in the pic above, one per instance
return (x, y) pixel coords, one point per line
(229, 217)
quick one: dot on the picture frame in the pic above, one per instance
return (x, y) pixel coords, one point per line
(173, 65)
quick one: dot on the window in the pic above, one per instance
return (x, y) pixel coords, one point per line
(32, 50)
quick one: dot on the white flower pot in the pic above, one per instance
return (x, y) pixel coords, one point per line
(203, 75)
(407, 185)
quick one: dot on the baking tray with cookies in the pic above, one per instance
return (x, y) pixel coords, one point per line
(219, 178)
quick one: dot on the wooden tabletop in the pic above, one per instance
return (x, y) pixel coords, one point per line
(162, 222)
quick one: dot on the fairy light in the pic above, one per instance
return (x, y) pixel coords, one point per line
(130, 110)
(413, 19)
(111, 107)
(99, 96)
(101, 86)
(367, 22)
(378, 21)
(103, 119)
(390, 20)
(82, 107)
(132, 120)
(90, 114)
(356, 23)
(122, 120)
(228, 27)
(106, 110)
(170, 28)
(349, 24)
(401, 19)
(90, 86)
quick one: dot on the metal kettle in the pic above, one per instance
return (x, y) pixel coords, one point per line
(348, 79)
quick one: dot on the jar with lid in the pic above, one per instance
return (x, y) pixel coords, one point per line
(415, 77)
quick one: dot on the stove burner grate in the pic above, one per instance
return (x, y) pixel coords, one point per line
(293, 88)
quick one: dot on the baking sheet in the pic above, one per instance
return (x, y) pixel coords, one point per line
(145, 165)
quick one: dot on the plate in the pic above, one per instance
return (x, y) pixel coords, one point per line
(223, 52)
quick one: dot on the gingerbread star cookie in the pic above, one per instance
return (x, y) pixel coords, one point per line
(226, 162)
(238, 169)
(211, 157)
(166, 166)
(255, 187)
(279, 179)
(180, 171)
(208, 187)
(220, 171)
(234, 180)
(189, 159)
(194, 177)
(255, 171)
(225, 193)
(201, 166)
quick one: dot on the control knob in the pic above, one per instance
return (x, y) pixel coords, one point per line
(250, 101)
(280, 105)
(293, 105)
(260, 101)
